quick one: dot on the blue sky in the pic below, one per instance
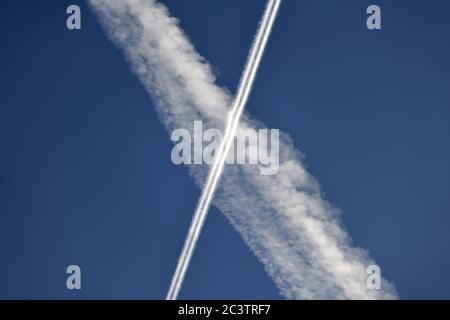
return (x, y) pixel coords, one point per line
(85, 170)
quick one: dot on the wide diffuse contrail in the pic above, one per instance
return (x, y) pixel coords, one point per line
(283, 218)
(243, 92)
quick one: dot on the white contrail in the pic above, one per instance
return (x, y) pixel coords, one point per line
(284, 219)
(215, 173)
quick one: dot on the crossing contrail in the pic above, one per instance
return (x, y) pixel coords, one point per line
(244, 89)
(284, 218)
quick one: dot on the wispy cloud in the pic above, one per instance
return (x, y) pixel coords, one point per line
(283, 218)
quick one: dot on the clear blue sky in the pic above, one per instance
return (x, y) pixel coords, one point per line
(85, 170)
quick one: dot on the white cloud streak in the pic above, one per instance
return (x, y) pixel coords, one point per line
(283, 218)
(217, 167)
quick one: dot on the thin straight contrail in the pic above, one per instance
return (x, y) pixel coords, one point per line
(243, 92)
